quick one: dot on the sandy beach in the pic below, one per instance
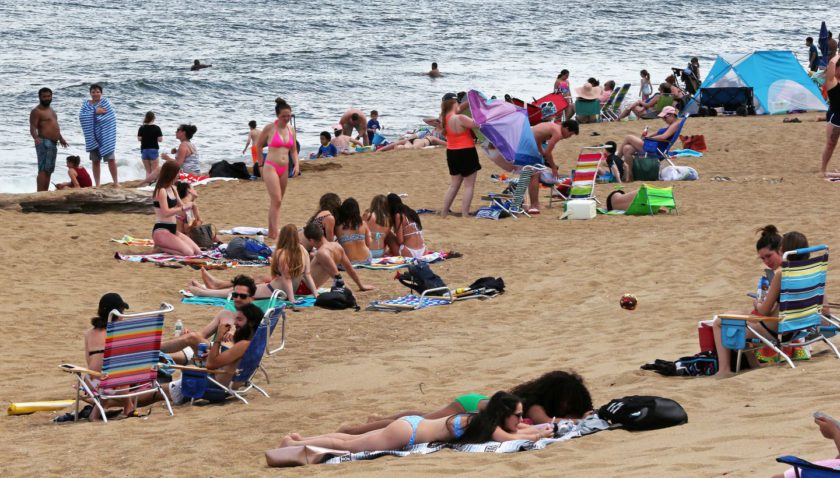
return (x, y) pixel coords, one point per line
(564, 280)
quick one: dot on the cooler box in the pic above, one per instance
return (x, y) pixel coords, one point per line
(581, 209)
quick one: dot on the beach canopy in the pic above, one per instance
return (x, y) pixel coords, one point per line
(506, 126)
(779, 82)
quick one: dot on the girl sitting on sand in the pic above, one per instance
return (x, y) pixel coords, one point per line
(378, 221)
(289, 266)
(167, 206)
(191, 218)
(352, 233)
(500, 421)
(554, 395)
(407, 240)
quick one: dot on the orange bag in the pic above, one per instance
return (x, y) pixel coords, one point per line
(696, 142)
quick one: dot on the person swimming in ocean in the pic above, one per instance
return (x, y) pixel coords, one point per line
(197, 65)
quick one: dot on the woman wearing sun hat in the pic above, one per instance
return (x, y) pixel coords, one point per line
(588, 104)
(634, 145)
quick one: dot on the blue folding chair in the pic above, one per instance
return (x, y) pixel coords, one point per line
(806, 469)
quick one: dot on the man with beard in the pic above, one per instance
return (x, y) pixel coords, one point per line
(43, 126)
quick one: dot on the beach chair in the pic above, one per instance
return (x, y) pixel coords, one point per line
(512, 203)
(645, 172)
(806, 469)
(431, 298)
(130, 363)
(800, 310)
(661, 103)
(276, 313)
(588, 108)
(583, 176)
(650, 199)
(611, 114)
(610, 101)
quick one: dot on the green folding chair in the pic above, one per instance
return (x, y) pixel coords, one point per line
(649, 199)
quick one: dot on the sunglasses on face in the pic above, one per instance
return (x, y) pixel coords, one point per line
(237, 295)
(517, 415)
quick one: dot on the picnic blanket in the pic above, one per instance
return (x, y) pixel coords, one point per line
(209, 258)
(100, 130)
(245, 231)
(133, 241)
(391, 263)
(264, 304)
(567, 429)
(407, 302)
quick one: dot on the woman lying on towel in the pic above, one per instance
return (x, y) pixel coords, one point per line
(649, 144)
(552, 396)
(407, 240)
(500, 421)
(289, 266)
(352, 233)
(168, 206)
(378, 220)
(418, 140)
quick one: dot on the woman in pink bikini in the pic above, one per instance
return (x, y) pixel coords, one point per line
(279, 136)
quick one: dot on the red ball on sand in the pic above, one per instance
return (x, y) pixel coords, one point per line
(628, 301)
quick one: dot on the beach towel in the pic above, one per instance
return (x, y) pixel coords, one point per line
(100, 130)
(195, 179)
(390, 263)
(305, 301)
(133, 241)
(566, 430)
(407, 302)
(245, 231)
(683, 153)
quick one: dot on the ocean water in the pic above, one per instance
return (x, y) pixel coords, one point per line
(325, 56)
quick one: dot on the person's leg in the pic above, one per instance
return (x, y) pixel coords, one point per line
(467, 196)
(189, 244)
(449, 197)
(95, 169)
(199, 291)
(724, 363)
(394, 436)
(212, 282)
(112, 168)
(832, 134)
(147, 166)
(534, 191)
(275, 194)
(172, 243)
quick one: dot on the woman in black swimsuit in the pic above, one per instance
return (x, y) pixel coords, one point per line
(168, 205)
(832, 80)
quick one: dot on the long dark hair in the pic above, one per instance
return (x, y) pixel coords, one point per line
(792, 241)
(561, 394)
(349, 216)
(253, 315)
(167, 176)
(770, 238)
(328, 202)
(396, 207)
(482, 425)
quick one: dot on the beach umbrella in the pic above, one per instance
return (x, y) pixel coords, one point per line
(823, 44)
(506, 126)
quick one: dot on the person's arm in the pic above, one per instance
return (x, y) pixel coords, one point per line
(165, 210)
(61, 139)
(329, 226)
(217, 359)
(74, 181)
(831, 80)
(348, 267)
(465, 121)
(398, 229)
(33, 126)
(261, 142)
(247, 143)
(295, 162)
(354, 141)
(367, 235)
(530, 433)
(548, 154)
(769, 305)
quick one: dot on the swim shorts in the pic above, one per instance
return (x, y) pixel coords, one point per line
(146, 154)
(834, 119)
(95, 156)
(462, 162)
(470, 401)
(46, 152)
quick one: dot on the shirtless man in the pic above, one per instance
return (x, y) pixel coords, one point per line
(253, 136)
(550, 132)
(434, 72)
(327, 258)
(43, 126)
(354, 118)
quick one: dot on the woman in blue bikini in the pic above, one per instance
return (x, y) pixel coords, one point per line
(500, 421)
(352, 233)
(378, 220)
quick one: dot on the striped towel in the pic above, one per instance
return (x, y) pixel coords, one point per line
(100, 130)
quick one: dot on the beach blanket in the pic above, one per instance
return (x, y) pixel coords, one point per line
(390, 263)
(264, 304)
(133, 241)
(245, 231)
(100, 130)
(685, 153)
(408, 302)
(566, 430)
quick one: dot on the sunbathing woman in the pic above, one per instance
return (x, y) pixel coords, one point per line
(167, 206)
(552, 396)
(279, 136)
(289, 266)
(500, 421)
(378, 220)
(419, 140)
(352, 233)
(635, 145)
(408, 238)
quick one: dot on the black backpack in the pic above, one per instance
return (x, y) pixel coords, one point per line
(420, 278)
(702, 364)
(639, 412)
(224, 169)
(247, 249)
(497, 284)
(338, 298)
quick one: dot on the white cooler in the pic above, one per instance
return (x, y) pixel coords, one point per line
(580, 209)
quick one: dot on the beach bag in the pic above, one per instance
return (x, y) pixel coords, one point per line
(640, 412)
(193, 383)
(224, 169)
(697, 142)
(678, 173)
(247, 249)
(646, 169)
(420, 278)
(204, 235)
(338, 298)
(702, 364)
(497, 284)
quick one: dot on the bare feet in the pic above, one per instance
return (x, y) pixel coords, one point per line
(287, 441)
(211, 282)
(365, 287)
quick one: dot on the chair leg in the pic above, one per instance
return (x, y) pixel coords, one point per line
(259, 389)
(773, 346)
(831, 345)
(265, 373)
(738, 361)
(166, 401)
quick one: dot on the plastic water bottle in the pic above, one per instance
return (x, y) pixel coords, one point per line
(179, 328)
(201, 355)
(645, 132)
(761, 290)
(338, 283)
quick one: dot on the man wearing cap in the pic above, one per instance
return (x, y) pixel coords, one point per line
(354, 118)
(649, 144)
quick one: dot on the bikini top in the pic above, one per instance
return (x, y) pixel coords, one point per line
(170, 202)
(457, 429)
(277, 141)
(351, 238)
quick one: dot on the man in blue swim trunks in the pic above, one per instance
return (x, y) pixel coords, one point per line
(43, 126)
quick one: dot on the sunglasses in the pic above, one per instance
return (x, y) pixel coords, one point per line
(237, 295)
(517, 415)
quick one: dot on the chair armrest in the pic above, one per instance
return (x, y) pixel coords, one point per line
(192, 368)
(70, 368)
(749, 318)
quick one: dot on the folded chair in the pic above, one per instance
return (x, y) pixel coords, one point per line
(612, 113)
(800, 310)
(130, 364)
(583, 176)
(806, 469)
(512, 203)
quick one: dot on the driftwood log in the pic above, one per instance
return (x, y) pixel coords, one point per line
(88, 201)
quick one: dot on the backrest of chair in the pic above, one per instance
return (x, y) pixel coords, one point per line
(619, 99)
(132, 347)
(802, 289)
(610, 100)
(586, 171)
(273, 315)
(522, 187)
(250, 361)
(663, 101)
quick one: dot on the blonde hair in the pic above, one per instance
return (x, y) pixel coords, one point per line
(379, 208)
(289, 251)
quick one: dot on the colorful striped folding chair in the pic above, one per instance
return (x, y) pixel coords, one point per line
(583, 176)
(611, 114)
(131, 360)
(800, 310)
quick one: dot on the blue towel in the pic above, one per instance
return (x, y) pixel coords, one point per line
(100, 130)
(680, 153)
(306, 301)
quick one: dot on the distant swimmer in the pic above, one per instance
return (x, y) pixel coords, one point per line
(43, 126)
(198, 66)
(352, 119)
(434, 72)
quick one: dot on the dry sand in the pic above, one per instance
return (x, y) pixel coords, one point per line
(560, 312)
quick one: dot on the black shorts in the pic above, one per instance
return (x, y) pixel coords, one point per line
(833, 118)
(462, 162)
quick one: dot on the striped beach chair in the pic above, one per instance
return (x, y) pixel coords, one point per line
(801, 321)
(131, 360)
(612, 113)
(583, 176)
(512, 203)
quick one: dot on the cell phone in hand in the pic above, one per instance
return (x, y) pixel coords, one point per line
(828, 417)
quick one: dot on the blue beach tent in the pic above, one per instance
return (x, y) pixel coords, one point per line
(780, 84)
